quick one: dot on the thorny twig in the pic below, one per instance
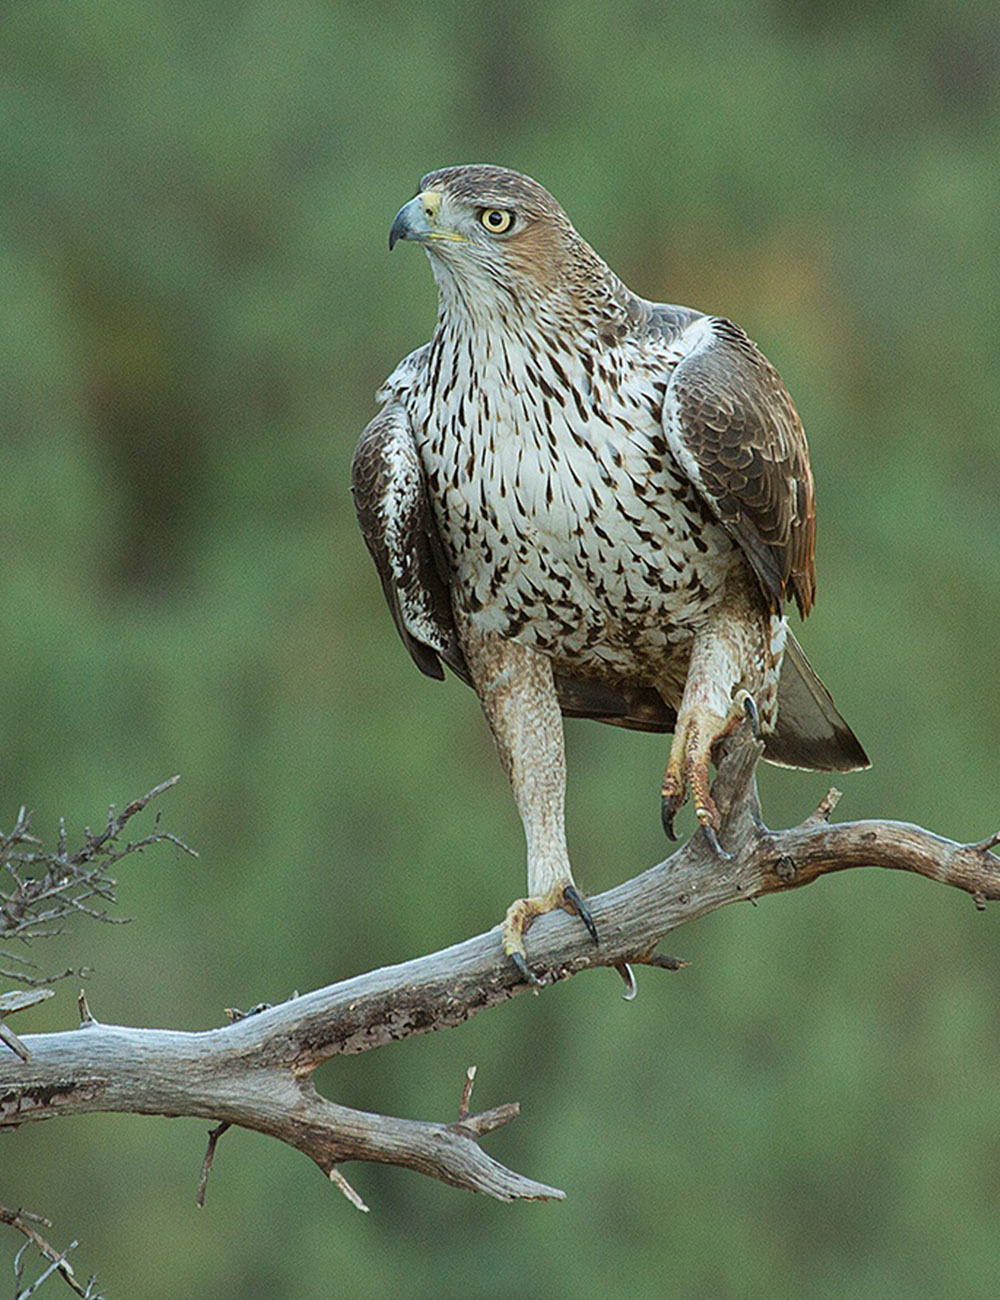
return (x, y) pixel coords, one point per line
(21, 1221)
(45, 887)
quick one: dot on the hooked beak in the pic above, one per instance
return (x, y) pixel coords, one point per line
(418, 220)
(410, 222)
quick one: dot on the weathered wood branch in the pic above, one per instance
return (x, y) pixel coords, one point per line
(257, 1072)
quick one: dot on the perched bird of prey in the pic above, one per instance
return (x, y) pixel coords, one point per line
(588, 504)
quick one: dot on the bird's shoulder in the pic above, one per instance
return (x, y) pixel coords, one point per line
(666, 321)
(405, 377)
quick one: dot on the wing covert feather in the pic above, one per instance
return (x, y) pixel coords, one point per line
(731, 425)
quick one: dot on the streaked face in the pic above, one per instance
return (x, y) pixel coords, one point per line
(488, 230)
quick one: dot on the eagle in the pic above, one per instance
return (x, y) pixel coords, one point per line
(587, 504)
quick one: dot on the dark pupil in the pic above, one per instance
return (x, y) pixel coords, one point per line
(496, 218)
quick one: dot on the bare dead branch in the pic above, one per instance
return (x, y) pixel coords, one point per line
(256, 1072)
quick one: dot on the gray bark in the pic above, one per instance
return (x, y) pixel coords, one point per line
(257, 1072)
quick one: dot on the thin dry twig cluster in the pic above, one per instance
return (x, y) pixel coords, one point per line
(41, 887)
(55, 1263)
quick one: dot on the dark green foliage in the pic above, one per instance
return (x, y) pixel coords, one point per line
(198, 305)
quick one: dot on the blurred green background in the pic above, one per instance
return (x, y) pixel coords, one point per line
(198, 305)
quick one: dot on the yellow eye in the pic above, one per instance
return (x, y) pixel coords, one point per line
(496, 220)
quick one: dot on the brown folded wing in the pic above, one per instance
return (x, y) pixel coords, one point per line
(390, 498)
(735, 432)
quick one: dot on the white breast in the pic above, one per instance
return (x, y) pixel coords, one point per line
(566, 520)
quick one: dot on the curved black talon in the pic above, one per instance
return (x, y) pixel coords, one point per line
(750, 709)
(525, 971)
(713, 842)
(574, 898)
(668, 811)
(628, 975)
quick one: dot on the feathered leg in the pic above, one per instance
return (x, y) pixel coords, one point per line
(516, 689)
(732, 677)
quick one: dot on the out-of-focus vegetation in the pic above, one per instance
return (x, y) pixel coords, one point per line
(198, 303)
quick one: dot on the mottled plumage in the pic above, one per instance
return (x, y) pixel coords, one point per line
(581, 501)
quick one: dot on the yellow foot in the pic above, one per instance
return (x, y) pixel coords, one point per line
(688, 767)
(523, 911)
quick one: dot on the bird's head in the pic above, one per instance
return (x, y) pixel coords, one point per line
(493, 235)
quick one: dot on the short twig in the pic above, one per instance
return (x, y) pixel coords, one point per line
(20, 999)
(984, 846)
(213, 1137)
(825, 807)
(338, 1180)
(470, 1079)
(664, 962)
(8, 1036)
(487, 1120)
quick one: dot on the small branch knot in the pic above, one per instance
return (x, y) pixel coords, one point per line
(785, 869)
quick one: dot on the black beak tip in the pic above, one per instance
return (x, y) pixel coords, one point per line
(400, 228)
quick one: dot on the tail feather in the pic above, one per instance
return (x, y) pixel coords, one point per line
(810, 733)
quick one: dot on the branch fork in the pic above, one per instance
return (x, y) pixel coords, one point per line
(256, 1072)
